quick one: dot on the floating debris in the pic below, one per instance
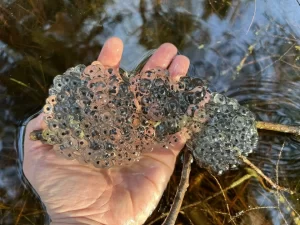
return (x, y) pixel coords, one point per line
(96, 117)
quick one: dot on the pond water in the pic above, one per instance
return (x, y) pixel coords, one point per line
(246, 49)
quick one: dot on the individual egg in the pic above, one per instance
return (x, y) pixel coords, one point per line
(51, 100)
(219, 99)
(48, 109)
(52, 91)
(46, 134)
(57, 83)
(53, 125)
(93, 71)
(66, 79)
(184, 83)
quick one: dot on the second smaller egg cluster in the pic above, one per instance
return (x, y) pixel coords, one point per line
(229, 132)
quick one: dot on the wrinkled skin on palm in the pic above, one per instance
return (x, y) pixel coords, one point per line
(95, 116)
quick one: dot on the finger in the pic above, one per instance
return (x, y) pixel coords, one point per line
(37, 123)
(162, 57)
(111, 52)
(35, 127)
(179, 67)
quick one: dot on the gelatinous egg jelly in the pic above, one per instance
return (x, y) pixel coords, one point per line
(96, 117)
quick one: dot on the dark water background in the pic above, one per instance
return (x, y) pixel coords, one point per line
(247, 49)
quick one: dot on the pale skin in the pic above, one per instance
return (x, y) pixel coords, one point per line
(74, 193)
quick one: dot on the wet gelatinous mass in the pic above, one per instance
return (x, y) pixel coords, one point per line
(97, 117)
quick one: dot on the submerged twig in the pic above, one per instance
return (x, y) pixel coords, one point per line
(22, 84)
(231, 186)
(277, 182)
(267, 179)
(239, 214)
(252, 20)
(223, 193)
(182, 188)
(295, 130)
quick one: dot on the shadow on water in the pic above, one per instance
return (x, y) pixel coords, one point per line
(249, 50)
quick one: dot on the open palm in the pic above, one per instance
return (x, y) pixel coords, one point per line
(78, 194)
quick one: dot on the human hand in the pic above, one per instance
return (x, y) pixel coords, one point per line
(77, 194)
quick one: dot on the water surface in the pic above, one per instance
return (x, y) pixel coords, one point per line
(246, 49)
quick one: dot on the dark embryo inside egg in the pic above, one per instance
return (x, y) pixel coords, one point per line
(96, 117)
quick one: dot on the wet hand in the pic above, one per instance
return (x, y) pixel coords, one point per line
(78, 194)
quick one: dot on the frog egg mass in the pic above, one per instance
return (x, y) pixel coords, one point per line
(229, 132)
(95, 116)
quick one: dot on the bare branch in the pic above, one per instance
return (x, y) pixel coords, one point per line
(295, 130)
(182, 188)
(267, 179)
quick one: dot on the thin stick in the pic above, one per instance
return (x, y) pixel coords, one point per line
(233, 185)
(223, 193)
(182, 188)
(277, 164)
(278, 127)
(239, 214)
(267, 179)
(277, 182)
(252, 17)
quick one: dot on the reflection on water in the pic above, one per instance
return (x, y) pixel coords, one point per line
(248, 50)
